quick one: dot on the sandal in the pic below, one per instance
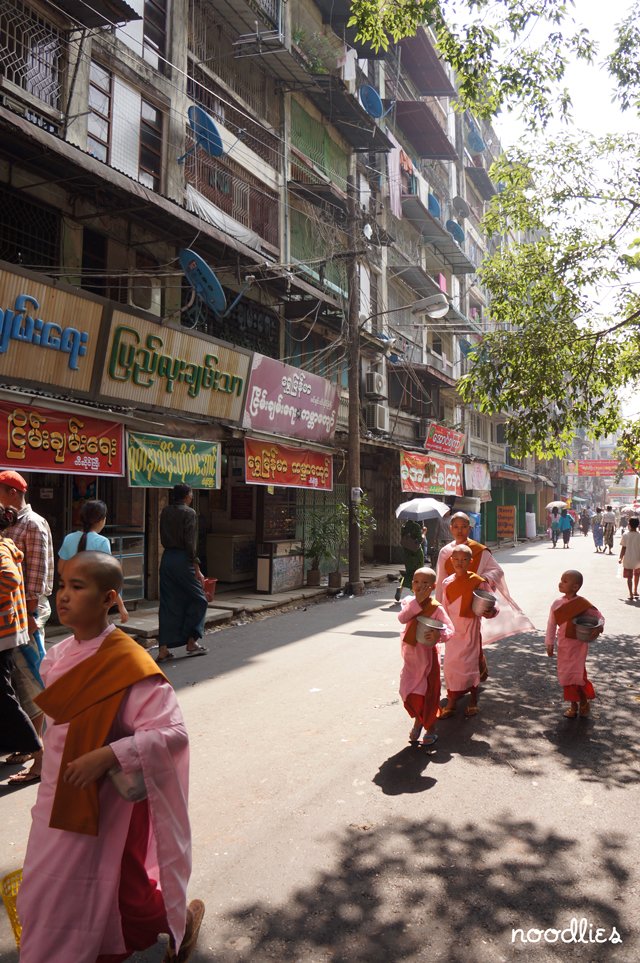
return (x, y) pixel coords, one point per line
(471, 711)
(18, 758)
(24, 778)
(197, 650)
(447, 712)
(414, 735)
(165, 658)
(571, 712)
(428, 740)
(584, 710)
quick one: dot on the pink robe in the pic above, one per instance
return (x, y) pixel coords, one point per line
(572, 653)
(68, 900)
(511, 619)
(418, 659)
(462, 651)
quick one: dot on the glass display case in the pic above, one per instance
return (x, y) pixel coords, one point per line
(129, 550)
(280, 565)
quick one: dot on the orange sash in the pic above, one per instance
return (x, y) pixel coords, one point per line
(464, 587)
(428, 609)
(88, 697)
(570, 611)
(477, 548)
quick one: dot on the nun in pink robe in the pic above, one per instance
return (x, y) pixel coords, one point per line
(572, 655)
(418, 660)
(461, 666)
(68, 900)
(510, 619)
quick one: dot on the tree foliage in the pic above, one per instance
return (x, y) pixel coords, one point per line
(504, 52)
(563, 282)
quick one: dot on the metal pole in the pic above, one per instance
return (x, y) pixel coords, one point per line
(353, 335)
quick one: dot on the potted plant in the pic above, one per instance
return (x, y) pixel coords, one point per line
(318, 546)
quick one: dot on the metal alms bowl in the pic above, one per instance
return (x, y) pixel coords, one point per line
(483, 602)
(585, 624)
(427, 625)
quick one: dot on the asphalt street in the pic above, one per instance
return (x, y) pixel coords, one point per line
(321, 835)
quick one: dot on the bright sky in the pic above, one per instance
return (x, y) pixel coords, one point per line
(591, 87)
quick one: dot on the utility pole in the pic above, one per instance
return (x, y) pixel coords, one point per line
(353, 337)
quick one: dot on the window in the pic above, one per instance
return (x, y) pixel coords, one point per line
(155, 32)
(436, 344)
(150, 146)
(99, 122)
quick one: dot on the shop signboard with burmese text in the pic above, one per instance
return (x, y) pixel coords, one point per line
(161, 366)
(284, 400)
(506, 518)
(429, 474)
(48, 335)
(38, 439)
(288, 467)
(445, 440)
(158, 461)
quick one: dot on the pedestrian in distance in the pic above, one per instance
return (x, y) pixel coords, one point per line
(111, 813)
(555, 526)
(610, 525)
(566, 527)
(464, 647)
(32, 535)
(630, 557)
(420, 676)
(183, 604)
(411, 541)
(93, 517)
(597, 529)
(511, 619)
(16, 729)
(572, 653)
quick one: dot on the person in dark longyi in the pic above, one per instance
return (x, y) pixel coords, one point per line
(183, 604)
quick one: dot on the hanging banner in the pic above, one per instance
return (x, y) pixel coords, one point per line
(597, 468)
(477, 476)
(267, 464)
(37, 439)
(156, 461)
(446, 440)
(284, 400)
(429, 475)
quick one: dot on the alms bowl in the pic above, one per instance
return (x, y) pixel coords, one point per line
(585, 626)
(427, 625)
(483, 602)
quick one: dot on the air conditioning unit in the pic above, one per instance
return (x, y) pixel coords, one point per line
(375, 385)
(145, 292)
(377, 417)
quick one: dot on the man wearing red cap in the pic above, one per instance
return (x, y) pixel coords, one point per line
(32, 535)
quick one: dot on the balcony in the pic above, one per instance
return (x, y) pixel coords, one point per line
(425, 68)
(480, 179)
(246, 16)
(337, 13)
(420, 125)
(335, 101)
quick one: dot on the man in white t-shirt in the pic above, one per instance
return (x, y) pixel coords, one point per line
(630, 556)
(610, 524)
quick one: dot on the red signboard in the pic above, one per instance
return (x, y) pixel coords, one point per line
(598, 468)
(446, 440)
(429, 475)
(36, 439)
(268, 464)
(289, 401)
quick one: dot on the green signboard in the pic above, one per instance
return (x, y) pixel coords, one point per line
(155, 461)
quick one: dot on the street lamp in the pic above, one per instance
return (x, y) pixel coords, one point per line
(435, 306)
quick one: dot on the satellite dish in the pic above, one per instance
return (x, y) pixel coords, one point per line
(371, 101)
(455, 231)
(206, 285)
(433, 206)
(203, 280)
(206, 133)
(461, 207)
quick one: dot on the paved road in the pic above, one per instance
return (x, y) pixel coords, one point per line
(320, 835)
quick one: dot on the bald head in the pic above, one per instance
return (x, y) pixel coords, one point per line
(575, 577)
(99, 567)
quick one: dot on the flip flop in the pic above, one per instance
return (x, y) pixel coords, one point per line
(18, 758)
(195, 914)
(471, 711)
(414, 735)
(24, 778)
(428, 740)
(165, 658)
(197, 650)
(447, 712)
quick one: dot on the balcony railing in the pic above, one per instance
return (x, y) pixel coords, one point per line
(233, 193)
(32, 54)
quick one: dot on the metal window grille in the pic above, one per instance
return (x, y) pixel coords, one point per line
(32, 53)
(29, 232)
(99, 121)
(313, 140)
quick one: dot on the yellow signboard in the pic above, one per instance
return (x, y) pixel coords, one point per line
(162, 366)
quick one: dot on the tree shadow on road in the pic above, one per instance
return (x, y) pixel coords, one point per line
(426, 890)
(522, 719)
